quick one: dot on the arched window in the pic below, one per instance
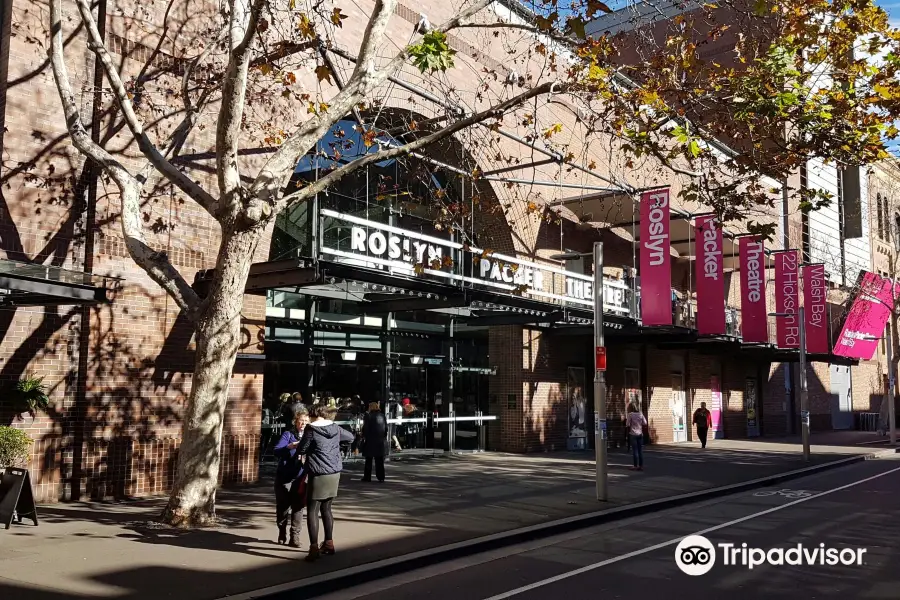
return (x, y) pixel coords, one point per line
(881, 215)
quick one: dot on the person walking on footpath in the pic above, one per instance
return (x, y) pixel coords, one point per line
(374, 442)
(636, 421)
(703, 421)
(321, 444)
(289, 478)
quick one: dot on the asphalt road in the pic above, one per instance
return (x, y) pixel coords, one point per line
(855, 507)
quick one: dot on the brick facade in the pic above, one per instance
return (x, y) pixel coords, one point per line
(119, 374)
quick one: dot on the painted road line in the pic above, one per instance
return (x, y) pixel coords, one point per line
(589, 568)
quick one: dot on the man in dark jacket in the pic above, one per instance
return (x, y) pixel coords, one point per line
(374, 431)
(703, 421)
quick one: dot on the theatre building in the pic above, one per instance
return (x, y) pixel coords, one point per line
(483, 322)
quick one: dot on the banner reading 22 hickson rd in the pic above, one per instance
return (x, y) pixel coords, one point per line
(656, 259)
(787, 298)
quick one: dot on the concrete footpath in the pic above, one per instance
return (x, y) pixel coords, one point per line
(118, 551)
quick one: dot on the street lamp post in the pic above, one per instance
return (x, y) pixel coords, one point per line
(600, 449)
(599, 379)
(804, 395)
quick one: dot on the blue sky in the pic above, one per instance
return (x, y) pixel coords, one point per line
(893, 8)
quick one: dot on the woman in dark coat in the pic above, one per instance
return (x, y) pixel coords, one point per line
(374, 431)
(321, 443)
(288, 500)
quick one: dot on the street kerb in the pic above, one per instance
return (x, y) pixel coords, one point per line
(311, 587)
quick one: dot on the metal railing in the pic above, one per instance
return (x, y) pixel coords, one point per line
(868, 421)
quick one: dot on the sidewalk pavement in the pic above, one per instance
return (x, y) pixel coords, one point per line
(116, 550)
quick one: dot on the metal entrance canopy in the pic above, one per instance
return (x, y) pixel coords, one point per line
(28, 284)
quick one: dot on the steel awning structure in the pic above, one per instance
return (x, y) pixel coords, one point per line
(29, 284)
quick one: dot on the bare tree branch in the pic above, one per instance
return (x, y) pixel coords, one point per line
(191, 111)
(277, 171)
(372, 38)
(150, 151)
(564, 39)
(495, 111)
(241, 32)
(156, 264)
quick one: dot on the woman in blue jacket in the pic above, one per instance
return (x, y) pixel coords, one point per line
(288, 501)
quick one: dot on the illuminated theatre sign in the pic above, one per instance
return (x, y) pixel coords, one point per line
(384, 247)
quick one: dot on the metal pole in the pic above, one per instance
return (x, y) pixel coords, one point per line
(788, 367)
(892, 417)
(804, 396)
(599, 378)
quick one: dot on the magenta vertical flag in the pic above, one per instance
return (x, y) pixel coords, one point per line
(868, 315)
(656, 259)
(754, 319)
(815, 309)
(710, 276)
(787, 299)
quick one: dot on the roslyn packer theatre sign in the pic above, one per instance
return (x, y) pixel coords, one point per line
(379, 246)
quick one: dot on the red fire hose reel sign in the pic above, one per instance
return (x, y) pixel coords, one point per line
(600, 358)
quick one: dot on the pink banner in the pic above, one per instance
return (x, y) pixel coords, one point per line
(656, 260)
(710, 277)
(815, 309)
(869, 314)
(787, 299)
(754, 320)
(715, 406)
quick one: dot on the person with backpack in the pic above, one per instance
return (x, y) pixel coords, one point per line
(321, 444)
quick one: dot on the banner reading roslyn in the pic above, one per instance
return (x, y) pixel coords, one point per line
(815, 308)
(754, 321)
(869, 314)
(787, 299)
(710, 277)
(656, 259)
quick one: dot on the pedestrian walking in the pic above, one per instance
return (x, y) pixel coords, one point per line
(374, 441)
(635, 422)
(290, 497)
(321, 444)
(703, 421)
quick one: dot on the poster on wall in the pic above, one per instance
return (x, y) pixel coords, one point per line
(577, 409)
(715, 408)
(633, 390)
(750, 407)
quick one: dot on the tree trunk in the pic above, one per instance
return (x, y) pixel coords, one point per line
(193, 498)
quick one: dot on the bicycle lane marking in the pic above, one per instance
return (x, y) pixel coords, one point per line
(786, 492)
(673, 542)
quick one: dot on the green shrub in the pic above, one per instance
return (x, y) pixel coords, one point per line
(30, 395)
(15, 447)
